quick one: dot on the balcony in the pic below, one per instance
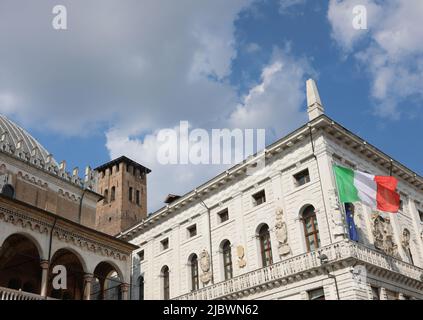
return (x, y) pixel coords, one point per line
(340, 254)
(10, 294)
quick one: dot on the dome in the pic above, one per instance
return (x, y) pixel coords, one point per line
(18, 138)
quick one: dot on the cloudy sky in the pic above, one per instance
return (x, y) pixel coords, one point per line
(125, 69)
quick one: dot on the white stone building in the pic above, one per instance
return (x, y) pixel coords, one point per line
(281, 234)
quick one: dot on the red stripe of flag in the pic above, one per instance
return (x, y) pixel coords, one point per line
(387, 198)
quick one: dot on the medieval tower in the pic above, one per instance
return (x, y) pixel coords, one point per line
(123, 184)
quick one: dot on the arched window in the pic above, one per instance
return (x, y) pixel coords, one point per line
(112, 194)
(194, 272)
(8, 191)
(227, 259)
(130, 194)
(311, 229)
(265, 246)
(106, 196)
(141, 288)
(166, 283)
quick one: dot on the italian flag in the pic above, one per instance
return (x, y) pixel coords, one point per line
(378, 192)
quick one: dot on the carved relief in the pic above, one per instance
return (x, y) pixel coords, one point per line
(281, 233)
(205, 266)
(241, 254)
(384, 236)
(336, 215)
(405, 239)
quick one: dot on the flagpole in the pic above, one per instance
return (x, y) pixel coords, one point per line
(341, 204)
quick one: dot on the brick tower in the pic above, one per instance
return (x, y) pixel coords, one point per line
(123, 184)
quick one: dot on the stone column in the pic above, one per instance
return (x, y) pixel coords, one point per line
(124, 291)
(44, 277)
(88, 278)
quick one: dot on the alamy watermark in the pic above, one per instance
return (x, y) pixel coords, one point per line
(359, 21)
(217, 146)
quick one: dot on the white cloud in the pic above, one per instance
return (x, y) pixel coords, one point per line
(139, 66)
(134, 64)
(276, 104)
(286, 6)
(390, 50)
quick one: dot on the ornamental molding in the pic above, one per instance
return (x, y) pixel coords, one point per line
(25, 221)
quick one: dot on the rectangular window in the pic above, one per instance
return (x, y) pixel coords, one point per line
(375, 293)
(192, 231)
(130, 194)
(137, 197)
(316, 294)
(141, 255)
(164, 244)
(223, 215)
(259, 198)
(302, 177)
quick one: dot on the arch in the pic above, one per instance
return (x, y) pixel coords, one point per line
(263, 236)
(310, 227)
(225, 248)
(194, 272)
(108, 279)
(164, 274)
(8, 191)
(20, 263)
(30, 238)
(75, 272)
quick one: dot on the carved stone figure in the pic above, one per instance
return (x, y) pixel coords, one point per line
(205, 266)
(241, 254)
(384, 236)
(281, 233)
(336, 215)
(405, 239)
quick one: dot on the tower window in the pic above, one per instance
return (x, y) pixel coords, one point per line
(227, 260)
(192, 231)
(194, 273)
(164, 244)
(130, 194)
(141, 255)
(106, 196)
(223, 215)
(302, 177)
(259, 198)
(137, 197)
(311, 229)
(165, 282)
(265, 246)
(316, 294)
(112, 194)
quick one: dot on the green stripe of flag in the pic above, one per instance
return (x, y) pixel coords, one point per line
(345, 181)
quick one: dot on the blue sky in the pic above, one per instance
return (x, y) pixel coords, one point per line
(103, 87)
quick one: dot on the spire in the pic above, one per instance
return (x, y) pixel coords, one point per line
(314, 104)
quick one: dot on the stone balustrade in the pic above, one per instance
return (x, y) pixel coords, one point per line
(11, 294)
(306, 264)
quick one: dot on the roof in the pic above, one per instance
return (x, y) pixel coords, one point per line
(18, 137)
(283, 143)
(125, 160)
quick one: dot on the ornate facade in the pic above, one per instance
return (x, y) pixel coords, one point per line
(48, 218)
(281, 233)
